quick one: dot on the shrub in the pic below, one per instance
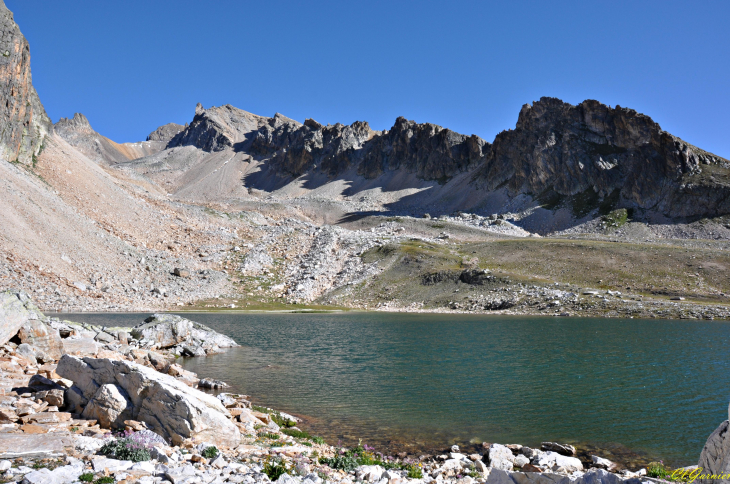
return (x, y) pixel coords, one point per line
(318, 440)
(210, 452)
(415, 472)
(282, 421)
(297, 434)
(86, 477)
(657, 470)
(128, 446)
(343, 462)
(274, 468)
(104, 480)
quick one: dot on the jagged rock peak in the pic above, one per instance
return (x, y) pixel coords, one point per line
(595, 151)
(217, 128)
(79, 122)
(165, 132)
(23, 121)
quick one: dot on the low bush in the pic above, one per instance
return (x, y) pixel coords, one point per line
(297, 434)
(210, 452)
(282, 421)
(657, 470)
(128, 446)
(86, 477)
(415, 472)
(274, 468)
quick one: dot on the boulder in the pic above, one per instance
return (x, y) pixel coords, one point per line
(110, 406)
(13, 314)
(562, 449)
(80, 346)
(601, 463)
(42, 338)
(168, 330)
(553, 460)
(715, 455)
(168, 407)
(500, 457)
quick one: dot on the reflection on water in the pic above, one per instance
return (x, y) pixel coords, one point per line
(421, 381)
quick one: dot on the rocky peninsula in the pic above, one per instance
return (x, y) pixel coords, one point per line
(83, 403)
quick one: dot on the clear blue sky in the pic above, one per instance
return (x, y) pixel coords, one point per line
(133, 65)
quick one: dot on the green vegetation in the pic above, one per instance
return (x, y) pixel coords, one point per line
(415, 472)
(658, 470)
(210, 452)
(282, 421)
(363, 455)
(297, 434)
(616, 218)
(269, 436)
(274, 468)
(126, 448)
(105, 480)
(301, 434)
(86, 477)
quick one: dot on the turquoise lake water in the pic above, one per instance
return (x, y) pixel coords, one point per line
(422, 381)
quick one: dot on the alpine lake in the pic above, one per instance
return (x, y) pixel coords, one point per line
(627, 389)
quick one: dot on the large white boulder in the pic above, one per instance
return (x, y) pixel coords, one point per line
(500, 457)
(553, 460)
(168, 407)
(168, 330)
(16, 310)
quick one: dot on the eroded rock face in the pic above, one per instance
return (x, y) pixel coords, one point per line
(715, 456)
(168, 407)
(23, 122)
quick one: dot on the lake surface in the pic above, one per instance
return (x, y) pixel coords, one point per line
(422, 381)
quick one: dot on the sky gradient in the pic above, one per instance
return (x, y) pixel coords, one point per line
(469, 66)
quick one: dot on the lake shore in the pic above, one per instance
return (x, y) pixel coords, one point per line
(251, 443)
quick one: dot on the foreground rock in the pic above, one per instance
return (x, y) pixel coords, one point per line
(715, 456)
(14, 313)
(118, 390)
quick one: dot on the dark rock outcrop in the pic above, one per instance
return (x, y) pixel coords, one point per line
(565, 150)
(165, 132)
(23, 122)
(715, 456)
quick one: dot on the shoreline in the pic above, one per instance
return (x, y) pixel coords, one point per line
(60, 412)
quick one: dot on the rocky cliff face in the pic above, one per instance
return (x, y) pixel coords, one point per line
(23, 121)
(585, 156)
(562, 150)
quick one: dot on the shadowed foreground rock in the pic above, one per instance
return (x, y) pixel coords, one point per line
(715, 456)
(119, 390)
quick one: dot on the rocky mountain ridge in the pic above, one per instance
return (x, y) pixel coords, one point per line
(556, 152)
